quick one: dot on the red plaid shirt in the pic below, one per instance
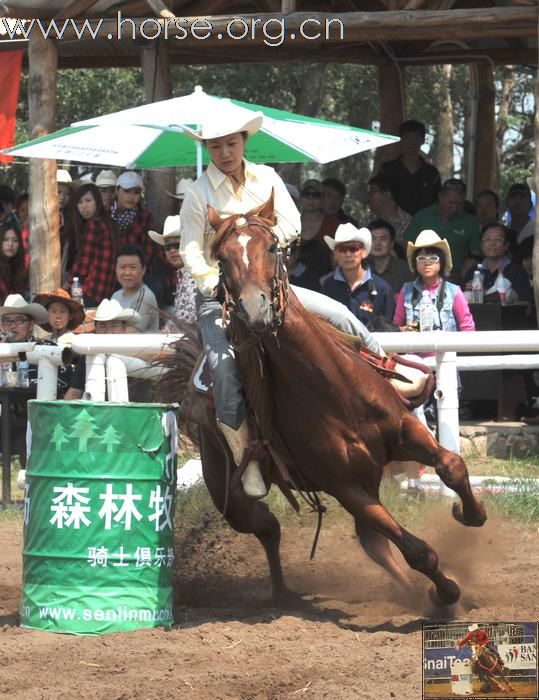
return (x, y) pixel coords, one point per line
(137, 234)
(95, 263)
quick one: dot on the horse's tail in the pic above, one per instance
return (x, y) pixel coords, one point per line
(172, 385)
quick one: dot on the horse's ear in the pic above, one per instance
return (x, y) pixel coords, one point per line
(266, 211)
(215, 220)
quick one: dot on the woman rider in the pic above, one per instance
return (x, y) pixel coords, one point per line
(233, 185)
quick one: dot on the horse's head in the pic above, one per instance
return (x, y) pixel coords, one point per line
(251, 263)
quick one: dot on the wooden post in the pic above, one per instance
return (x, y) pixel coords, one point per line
(392, 107)
(45, 255)
(485, 130)
(158, 86)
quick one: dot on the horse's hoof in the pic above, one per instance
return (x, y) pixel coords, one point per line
(286, 598)
(476, 520)
(445, 594)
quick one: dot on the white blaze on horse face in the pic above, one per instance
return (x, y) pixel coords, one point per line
(243, 240)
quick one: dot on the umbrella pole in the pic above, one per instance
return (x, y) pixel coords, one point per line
(199, 158)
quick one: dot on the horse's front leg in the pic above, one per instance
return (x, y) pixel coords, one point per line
(243, 514)
(417, 443)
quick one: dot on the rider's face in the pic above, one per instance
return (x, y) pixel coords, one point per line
(227, 152)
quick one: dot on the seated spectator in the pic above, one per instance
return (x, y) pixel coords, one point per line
(109, 318)
(294, 193)
(64, 315)
(487, 207)
(18, 317)
(106, 182)
(315, 224)
(525, 250)
(182, 185)
(495, 248)
(134, 294)
(429, 258)
(7, 205)
(384, 263)
(418, 182)
(95, 245)
(353, 283)
(185, 295)
(519, 205)
(13, 270)
(308, 262)
(449, 220)
(333, 194)
(383, 205)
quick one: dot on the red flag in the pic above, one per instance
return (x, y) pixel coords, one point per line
(10, 77)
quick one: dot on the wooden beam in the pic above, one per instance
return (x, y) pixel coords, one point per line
(45, 256)
(75, 9)
(160, 9)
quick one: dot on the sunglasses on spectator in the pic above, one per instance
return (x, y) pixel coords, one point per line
(171, 246)
(352, 248)
(19, 321)
(428, 258)
(311, 193)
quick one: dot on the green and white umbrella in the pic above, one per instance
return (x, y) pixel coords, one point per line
(152, 136)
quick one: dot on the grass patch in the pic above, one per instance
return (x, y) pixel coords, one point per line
(514, 467)
(11, 514)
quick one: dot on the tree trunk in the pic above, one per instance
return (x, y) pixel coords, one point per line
(443, 145)
(391, 102)
(508, 83)
(536, 241)
(158, 86)
(44, 222)
(485, 130)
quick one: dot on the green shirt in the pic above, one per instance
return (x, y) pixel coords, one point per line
(461, 231)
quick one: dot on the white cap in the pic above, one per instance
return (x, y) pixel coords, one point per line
(106, 178)
(129, 180)
(63, 176)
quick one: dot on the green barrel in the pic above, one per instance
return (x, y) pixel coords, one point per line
(98, 517)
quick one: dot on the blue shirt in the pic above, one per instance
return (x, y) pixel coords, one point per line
(374, 297)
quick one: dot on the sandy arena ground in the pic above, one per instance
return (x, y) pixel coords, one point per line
(355, 636)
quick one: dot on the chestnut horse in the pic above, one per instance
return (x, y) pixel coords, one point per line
(324, 412)
(487, 665)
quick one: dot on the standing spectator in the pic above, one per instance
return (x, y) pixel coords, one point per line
(519, 205)
(96, 245)
(7, 203)
(487, 207)
(382, 193)
(182, 186)
(106, 181)
(333, 196)
(495, 240)
(315, 223)
(418, 182)
(21, 215)
(353, 283)
(449, 220)
(134, 294)
(64, 185)
(13, 270)
(184, 298)
(132, 220)
(383, 260)
(429, 258)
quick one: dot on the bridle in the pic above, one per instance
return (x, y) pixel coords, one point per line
(279, 284)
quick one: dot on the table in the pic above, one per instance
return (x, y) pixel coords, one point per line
(9, 396)
(507, 388)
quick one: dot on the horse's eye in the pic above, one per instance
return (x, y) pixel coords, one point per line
(273, 249)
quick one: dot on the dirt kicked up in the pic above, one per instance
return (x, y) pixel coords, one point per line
(351, 635)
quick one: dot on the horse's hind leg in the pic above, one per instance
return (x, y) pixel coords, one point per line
(377, 547)
(417, 553)
(242, 513)
(450, 467)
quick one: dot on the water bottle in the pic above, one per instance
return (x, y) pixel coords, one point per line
(23, 373)
(477, 288)
(76, 291)
(426, 312)
(500, 287)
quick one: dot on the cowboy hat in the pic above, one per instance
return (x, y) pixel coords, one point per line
(106, 178)
(60, 295)
(171, 229)
(15, 304)
(181, 188)
(472, 628)
(348, 233)
(229, 122)
(429, 239)
(64, 177)
(112, 310)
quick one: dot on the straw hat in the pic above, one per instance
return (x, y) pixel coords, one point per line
(348, 233)
(112, 310)
(229, 121)
(106, 178)
(429, 239)
(171, 229)
(15, 304)
(60, 295)
(181, 188)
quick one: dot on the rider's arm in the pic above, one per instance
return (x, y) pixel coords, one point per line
(193, 218)
(288, 224)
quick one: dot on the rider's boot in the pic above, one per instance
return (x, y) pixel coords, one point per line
(238, 440)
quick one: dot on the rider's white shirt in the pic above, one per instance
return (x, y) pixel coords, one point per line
(215, 188)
